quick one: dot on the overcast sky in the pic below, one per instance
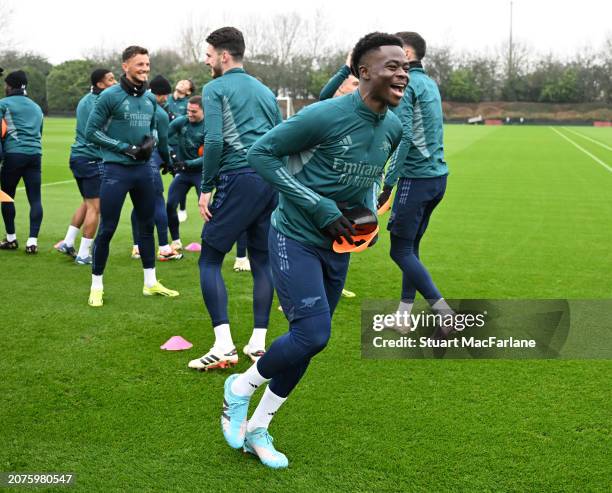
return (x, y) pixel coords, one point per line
(68, 29)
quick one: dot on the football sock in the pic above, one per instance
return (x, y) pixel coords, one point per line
(84, 248)
(149, 277)
(265, 410)
(96, 282)
(258, 339)
(442, 307)
(223, 338)
(263, 290)
(404, 310)
(11, 237)
(212, 284)
(248, 382)
(165, 249)
(71, 235)
(415, 276)
(32, 241)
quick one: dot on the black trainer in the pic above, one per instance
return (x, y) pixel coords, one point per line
(8, 245)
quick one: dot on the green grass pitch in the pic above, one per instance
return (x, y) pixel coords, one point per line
(527, 215)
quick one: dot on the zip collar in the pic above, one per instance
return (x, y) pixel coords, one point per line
(237, 70)
(131, 88)
(363, 111)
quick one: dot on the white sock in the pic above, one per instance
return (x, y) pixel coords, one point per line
(248, 382)
(11, 237)
(223, 338)
(258, 339)
(135, 245)
(165, 249)
(442, 307)
(149, 277)
(96, 282)
(404, 310)
(265, 411)
(71, 235)
(85, 247)
(32, 241)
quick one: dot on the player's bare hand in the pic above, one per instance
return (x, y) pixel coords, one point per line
(348, 59)
(203, 204)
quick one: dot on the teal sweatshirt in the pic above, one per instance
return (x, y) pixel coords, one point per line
(190, 137)
(178, 107)
(24, 121)
(239, 110)
(82, 147)
(119, 120)
(421, 151)
(337, 152)
(162, 124)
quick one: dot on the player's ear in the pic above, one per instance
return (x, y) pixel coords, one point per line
(364, 72)
(124, 67)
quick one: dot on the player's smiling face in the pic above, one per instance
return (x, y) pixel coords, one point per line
(195, 113)
(388, 70)
(137, 68)
(213, 60)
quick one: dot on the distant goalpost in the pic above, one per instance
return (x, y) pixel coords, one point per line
(286, 105)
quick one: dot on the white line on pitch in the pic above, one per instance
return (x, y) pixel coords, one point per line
(589, 138)
(22, 189)
(595, 158)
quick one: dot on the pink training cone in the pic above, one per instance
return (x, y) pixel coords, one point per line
(176, 343)
(193, 247)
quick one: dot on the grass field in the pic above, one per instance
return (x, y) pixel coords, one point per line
(527, 215)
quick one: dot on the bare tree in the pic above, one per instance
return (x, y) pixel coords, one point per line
(6, 12)
(192, 41)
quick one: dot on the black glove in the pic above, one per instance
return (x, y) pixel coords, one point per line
(164, 168)
(143, 151)
(384, 196)
(374, 241)
(180, 167)
(341, 229)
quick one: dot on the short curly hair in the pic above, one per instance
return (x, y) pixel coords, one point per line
(228, 38)
(370, 42)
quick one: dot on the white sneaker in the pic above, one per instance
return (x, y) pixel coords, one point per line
(242, 264)
(215, 358)
(135, 252)
(253, 353)
(176, 245)
(182, 215)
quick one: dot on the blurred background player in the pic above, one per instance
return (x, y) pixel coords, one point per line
(419, 163)
(188, 133)
(22, 152)
(160, 159)
(341, 83)
(349, 140)
(239, 109)
(177, 106)
(123, 124)
(86, 167)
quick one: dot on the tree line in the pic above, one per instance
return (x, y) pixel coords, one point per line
(289, 54)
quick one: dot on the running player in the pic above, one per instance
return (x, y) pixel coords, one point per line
(122, 123)
(188, 132)
(337, 150)
(239, 109)
(160, 158)
(86, 167)
(22, 158)
(419, 163)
